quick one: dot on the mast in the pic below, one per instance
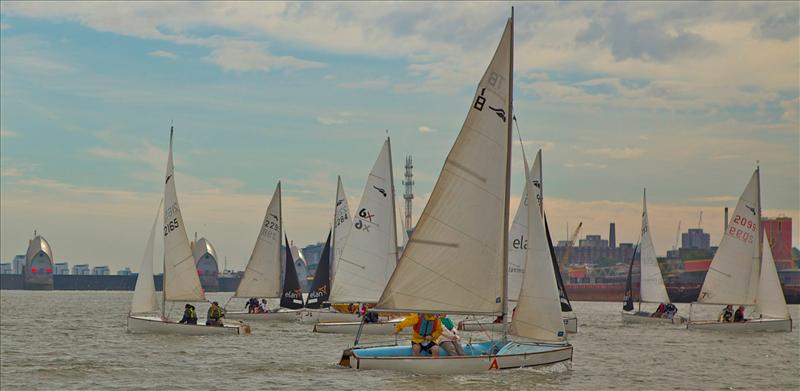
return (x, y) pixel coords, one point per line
(394, 212)
(281, 233)
(760, 231)
(333, 230)
(508, 181)
(164, 256)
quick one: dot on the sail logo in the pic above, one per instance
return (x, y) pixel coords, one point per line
(168, 177)
(171, 211)
(339, 202)
(520, 244)
(380, 190)
(500, 113)
(494, 364)
(753, 210)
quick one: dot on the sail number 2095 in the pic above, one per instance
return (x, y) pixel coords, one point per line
(171, 226)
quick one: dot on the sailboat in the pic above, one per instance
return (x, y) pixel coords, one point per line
(743, 271)
(516, 256)
(651, 285)
(181, 282)
(318, 308)
(262, 276)
(370, 253)
(457, 259)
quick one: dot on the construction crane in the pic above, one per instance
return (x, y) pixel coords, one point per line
(677, 236)
(565, 258)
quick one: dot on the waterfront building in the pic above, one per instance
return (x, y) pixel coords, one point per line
(81, 270)
(124, 272)
(778, 233)
(593, 241)
(18, 264)
(696, 238)
(101, 271)
(5, 268)
(61, 268)
(205, 258)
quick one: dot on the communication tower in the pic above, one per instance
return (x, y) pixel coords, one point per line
(409, 195)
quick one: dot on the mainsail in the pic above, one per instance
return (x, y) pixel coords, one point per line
(341, 225)
(455, 260)
(292, 296)
(320, 287)
(181, 282)
(262, 276)
(538, 312)
(733, 274)
(370, 253)
(652, 288)
(144, 294)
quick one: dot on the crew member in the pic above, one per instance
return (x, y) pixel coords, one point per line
(427, 329)
(214, 315)
(189, 315)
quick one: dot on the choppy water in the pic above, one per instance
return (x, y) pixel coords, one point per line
(77, 340)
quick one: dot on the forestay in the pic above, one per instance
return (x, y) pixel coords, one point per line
(733, 274)
(652, 288)
(538, 312)
(262, 276)
(181, 282)
(370, 253)
(770, 302)
(341, 225)
(454, 261)
(144, 294)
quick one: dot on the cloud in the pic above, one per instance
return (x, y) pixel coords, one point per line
(716, 199)
(373, 84)
(163, 54)
(782, 27)
(424, 129)
(245, 56)
(616, 153)
(593, 166)
(7, 133)
(4, 26)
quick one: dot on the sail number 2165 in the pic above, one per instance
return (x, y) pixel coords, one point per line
(171, 226)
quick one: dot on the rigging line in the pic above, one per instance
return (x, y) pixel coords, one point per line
(519, 135)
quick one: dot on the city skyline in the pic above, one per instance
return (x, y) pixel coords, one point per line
(305, 92)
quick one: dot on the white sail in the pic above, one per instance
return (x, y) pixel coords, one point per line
(370, 252)
(181, 282)
(144, 294)
(518, 233)
(538, 312)
(770, 302)
(733, 275)
(652, 288)
(263, 274)
(342, 223)
(454, 261)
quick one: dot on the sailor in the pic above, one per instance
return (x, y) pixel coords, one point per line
(739, 315)
(264, 308)
(727, 314)
(449, 338)
(371, 317)
(427, 329)
(189, 315)
(214, 315)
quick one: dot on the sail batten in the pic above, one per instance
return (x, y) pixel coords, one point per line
(181, 282)
(454, 262)
(262, 275)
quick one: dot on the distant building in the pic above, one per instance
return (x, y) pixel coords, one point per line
(81, 270)
(124, 272)
(593, 241)
(312, 254)
(778, 233)
(18, 264)
(38, 264)
(612, 235)
(101, 271)
(5, 268)
(696, 238)
(205, 258)
(61, 268)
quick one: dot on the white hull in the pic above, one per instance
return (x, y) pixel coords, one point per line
(309, 316)
(283, 315)
(749, 325)
(644, 317)
(155, 325)
(570, 325)
(465, 364)
(380, 328)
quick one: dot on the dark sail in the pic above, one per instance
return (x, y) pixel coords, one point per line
(292, 296)
(628, 299)
(562, 293)
(321, 287)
